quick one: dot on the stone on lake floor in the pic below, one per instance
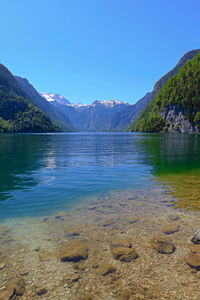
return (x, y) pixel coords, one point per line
(2, 266)
(194, 248)
(170, 228)
(73, 250)
(162, 245)
(121, 243)
(14, 288)
(125, 295)
(75, 277)
(133, 220)
(196, 237)
(45, 255)
(173, 217)
(72, 231)
(41, 290)
(106, 269)
(193, 260)
(124, 254)
(24, 272)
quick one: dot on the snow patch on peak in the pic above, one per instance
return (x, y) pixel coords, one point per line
(51, 97)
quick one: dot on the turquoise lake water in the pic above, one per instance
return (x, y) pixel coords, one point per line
(44, 173)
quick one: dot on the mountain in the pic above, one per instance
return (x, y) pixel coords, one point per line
(122, 119)
(92, 117)
(159, 84)
(50, 97)
(54, 114)
(17, 113)
(176, 107)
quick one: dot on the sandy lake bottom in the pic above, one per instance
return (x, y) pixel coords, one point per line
(31, 250)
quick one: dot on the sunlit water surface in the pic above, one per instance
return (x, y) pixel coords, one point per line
(41, 174)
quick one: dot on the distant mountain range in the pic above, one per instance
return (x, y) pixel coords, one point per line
(23, 109)
(91, 117)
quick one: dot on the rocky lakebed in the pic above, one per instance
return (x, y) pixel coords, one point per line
(123, 245)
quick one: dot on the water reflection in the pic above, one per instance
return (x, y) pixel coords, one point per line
(41, 174)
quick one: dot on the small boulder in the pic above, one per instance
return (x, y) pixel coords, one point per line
(170, 228)
(16, 287)
(194, 248)
(173, 217)
(124, 254)
(45, 255)
(2, 266)
(132, 220)
(193, 260)
(41, 290)
(162, 245)
(73, 250)
(121, 243)
(106, 269)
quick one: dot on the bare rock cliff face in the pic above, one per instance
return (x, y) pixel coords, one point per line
(176, 119)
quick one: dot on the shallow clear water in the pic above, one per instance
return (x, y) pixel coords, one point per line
(44, 173)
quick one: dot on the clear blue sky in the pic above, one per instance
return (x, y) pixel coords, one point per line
(96, 49)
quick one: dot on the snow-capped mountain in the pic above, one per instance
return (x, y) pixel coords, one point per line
(87, 117)
(50, 97)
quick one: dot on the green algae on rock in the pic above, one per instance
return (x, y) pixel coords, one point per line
(73, 250)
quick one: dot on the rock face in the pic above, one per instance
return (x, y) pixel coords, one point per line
(162, 245)
(196, 238)
(175, 116)
(193, 260)
(73, 250)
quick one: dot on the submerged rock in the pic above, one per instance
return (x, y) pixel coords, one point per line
(174, 217)
(121, 243)
(73, 250)
(106, 269)
(194, 248)
(170, 228)
(45, 255)
(14, 288)
(2, 266)
(124, 254)
(196, 237)
(87, 297)
(162, 245)
(193, 260)
(41, 290)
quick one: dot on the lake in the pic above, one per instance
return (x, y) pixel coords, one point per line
(96, 188)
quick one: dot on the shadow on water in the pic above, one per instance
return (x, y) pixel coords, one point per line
(175, 159)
